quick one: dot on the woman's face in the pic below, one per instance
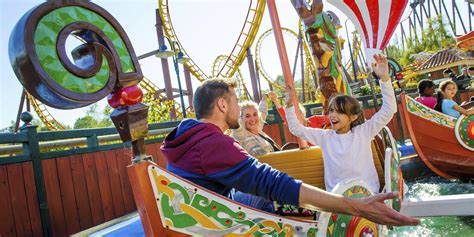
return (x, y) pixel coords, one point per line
(251, 119)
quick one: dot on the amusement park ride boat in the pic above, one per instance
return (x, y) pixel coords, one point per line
(445, 144)
(170, 205)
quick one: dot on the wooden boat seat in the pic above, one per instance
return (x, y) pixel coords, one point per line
(307, 164)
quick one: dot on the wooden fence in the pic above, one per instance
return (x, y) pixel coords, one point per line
(62, 192)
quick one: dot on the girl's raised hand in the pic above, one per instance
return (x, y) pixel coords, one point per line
(380, 67)
(289, 96)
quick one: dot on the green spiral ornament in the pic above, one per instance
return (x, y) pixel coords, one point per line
(104, 62)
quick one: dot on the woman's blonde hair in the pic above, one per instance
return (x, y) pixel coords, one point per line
(348, 105)
(248, 104)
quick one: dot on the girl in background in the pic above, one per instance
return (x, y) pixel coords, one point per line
(446, 104)
(426, 89)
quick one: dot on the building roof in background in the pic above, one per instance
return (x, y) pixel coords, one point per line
(444, 59)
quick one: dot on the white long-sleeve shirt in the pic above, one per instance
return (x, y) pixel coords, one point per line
(348, 156)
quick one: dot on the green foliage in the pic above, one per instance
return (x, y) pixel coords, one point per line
(10, 128)
(434, 38)
(158, 110)
(365, 90)
(94, 118)
(35, 121)
(280, 80)
(394, 52)
(411, 85)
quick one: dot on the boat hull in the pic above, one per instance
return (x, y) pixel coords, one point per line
(435, 142)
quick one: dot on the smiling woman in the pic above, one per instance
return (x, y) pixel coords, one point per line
(250, 135)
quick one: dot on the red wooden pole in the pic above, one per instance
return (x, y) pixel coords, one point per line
(285, 65)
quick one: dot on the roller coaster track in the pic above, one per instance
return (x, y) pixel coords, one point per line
(44, 115)
(52, 124)
(149, 87)
(238, 53)
(242, 91)
(310, 65)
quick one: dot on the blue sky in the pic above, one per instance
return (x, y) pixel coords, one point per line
(206, 29)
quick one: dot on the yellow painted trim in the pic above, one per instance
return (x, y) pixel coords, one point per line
(162, 188)
(199, 216)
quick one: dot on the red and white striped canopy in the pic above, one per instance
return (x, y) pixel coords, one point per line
(375, 20)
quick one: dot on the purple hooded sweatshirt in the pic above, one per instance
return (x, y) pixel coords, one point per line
(203, 154)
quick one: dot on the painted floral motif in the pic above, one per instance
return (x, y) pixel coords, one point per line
(464, 132)
(346, 225)
(429, 114)
(188, 209)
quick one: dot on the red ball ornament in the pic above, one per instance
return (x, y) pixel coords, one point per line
(125, 96)
(114, 99)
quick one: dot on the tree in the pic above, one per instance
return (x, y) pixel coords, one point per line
(94, 119)
(433, 39)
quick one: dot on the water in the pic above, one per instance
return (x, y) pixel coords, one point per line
(438, 226)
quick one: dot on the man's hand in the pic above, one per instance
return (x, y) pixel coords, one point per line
(374, 209)
(289, 96)
(380, 67)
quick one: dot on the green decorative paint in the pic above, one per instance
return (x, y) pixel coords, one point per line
(179, 220)
(213, 209)
(395, 179)
(229, 218)
(324, 23)
(429, 114)
(346, 225)
(45, 39)
(312, 232)
(464, 131)
(182, 190)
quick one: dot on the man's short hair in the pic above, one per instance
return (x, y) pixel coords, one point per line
(207, 94)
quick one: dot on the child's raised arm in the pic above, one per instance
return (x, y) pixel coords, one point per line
(312, 135)
(389, 103)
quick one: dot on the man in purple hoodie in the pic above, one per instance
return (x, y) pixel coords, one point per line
(198, 150)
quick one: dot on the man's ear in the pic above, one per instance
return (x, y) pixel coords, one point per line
(221, 105)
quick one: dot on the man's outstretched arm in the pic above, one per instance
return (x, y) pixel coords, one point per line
(372, 208)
